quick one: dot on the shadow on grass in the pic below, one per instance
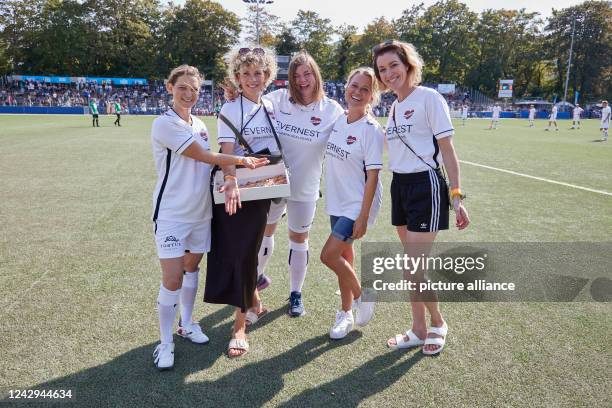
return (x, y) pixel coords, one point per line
(351, 389)
(131, 379)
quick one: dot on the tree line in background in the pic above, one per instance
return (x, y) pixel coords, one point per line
(144, 38)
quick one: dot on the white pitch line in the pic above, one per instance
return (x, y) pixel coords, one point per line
(537, 178)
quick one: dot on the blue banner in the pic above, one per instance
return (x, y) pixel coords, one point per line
(68, 80)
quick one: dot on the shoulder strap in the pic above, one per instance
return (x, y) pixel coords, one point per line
(280, 148)
(406, 143)
(239, 136)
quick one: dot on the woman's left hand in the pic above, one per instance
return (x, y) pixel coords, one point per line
(461, 214)
(360, 227)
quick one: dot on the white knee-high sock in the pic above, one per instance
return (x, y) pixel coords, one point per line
(167, 300)
(188, 295)
(265, 252)
(298, 262)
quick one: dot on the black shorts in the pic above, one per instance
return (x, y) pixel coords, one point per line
(419, 201)
(95, 115)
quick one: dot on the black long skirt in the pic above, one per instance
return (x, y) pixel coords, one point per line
(231, 271)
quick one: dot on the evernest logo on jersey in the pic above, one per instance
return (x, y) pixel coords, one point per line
(315, 120)
(394, 130)
(290, 129)
(258, 130)
(350, 140)
(337, 151)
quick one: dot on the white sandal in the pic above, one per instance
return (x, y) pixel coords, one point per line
(440, 331)
(238, 344)
(400, 343)
(252, 317)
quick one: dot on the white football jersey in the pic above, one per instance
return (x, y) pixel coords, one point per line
(532, 113)
(250, 118)
(553, 114)
(182, 192)
(303, 132)
(496, 112)
(605, 116)
(420, 120)
(577, 112)
(464, 112)
(352, 149)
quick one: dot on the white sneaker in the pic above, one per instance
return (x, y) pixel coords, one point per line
(194, 333)
(365, 311)
(342, 326)
(163, 356)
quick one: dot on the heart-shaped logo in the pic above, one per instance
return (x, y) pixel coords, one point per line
(204, 136)
(408, 114)
(350, 140)
(315, 121)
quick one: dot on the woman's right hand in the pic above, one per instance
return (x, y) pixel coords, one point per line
(254, 162)
(232, 195)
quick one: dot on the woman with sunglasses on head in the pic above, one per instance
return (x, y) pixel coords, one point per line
(182, 207)
(353, 160)
(305, 117)
(419, 136)
(238, 227)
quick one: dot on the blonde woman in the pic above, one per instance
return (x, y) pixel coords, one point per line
(182, 207)
(419, 135)
(354, 150)
(305, 117)
(238, 227)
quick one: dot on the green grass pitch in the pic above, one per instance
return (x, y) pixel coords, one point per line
(79, 278)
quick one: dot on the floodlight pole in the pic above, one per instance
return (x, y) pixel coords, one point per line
(257, 3)
(569, 62)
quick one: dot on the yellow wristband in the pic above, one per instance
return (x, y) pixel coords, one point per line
(456, 192)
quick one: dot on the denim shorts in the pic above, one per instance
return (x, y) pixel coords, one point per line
(342, 228)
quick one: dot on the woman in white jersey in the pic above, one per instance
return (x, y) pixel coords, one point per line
(419, 128)
(353, 160)
(182, 207)
(305, 117)
(232, 262)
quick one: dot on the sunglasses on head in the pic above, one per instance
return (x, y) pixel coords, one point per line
(256, 51)
(389, 43)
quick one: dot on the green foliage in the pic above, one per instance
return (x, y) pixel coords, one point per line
(344, 52)
(199, 34)
(286, 43)
(377, 31)
(314, 34)
(592, 53)
(445, 39)
(508, 45)
(259, 17)
(148, 38)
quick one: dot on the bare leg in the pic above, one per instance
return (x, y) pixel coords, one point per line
(331, 256)
(417, 244)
